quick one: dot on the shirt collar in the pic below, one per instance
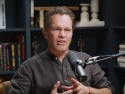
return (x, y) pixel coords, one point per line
(53, 57)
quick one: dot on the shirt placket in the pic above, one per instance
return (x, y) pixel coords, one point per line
(65, 73)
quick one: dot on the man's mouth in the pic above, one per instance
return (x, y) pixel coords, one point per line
(61, 42)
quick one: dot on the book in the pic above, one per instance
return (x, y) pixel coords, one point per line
(39, 21)
(121, 51)
(121, 64)
(32, 13)
(41, 17)
(4, 56)
(2, 15)
(18, 54)
(12, 56)
(19, 38)
(121, 59)
(22, 52)
(122, 47)
(1, 58)
(8, 56)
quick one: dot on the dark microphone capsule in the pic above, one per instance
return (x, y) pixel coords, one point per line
(76, 66)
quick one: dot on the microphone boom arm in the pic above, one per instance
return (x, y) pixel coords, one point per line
(95, 59)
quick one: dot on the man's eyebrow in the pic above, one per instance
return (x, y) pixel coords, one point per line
(60, 27)
(68, 28)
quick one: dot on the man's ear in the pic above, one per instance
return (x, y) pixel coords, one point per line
(44, 32)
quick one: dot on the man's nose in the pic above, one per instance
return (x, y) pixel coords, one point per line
(62, 33)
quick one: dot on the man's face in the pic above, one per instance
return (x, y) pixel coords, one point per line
(59, 33)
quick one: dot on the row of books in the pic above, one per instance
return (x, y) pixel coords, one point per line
(11, 56)
(121, 59)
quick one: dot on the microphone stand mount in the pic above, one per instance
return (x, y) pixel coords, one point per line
(105, 57)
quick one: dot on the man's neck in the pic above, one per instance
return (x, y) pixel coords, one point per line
(60, 55)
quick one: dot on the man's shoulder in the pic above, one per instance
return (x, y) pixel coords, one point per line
(36, 58)
(81, 54)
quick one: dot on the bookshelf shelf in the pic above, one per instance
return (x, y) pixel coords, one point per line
(90, 28)
(119, 68)
(36, 29)
(12, 30)
(119, 27)
(7, 72)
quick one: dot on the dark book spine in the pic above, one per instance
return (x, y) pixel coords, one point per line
(23, 52)
(8, 56)
(1, 58)
(4, 56)
(18, 54)
(19, 38)
(12, 56)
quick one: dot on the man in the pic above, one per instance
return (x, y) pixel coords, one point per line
(49, 72)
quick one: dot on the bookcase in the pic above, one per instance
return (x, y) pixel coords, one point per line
(98, 40)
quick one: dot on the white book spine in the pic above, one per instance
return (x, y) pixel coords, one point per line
(122, 47)
(41, 15)
(2, 15)
(121, 60)
(32, 13)
(121, 64)
(122, 57)
(121, 51)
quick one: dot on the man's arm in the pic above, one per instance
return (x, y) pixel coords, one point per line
(79, 88)
(20, 82)
(99, 81)
(99, 91)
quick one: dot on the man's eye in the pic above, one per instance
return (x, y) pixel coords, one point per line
(56, 29)
(68, 30)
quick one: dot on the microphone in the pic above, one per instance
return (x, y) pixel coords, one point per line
(77, 66)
